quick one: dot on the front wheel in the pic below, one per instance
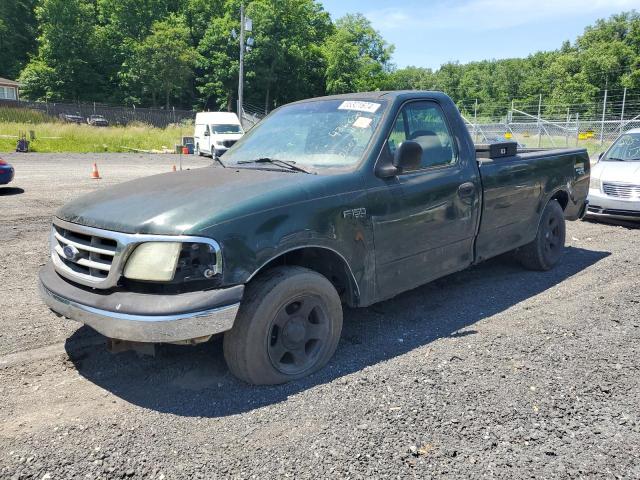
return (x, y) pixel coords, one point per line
(547, 248)
(288, 327)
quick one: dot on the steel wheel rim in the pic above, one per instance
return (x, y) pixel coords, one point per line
(552, 236)
(298, 335)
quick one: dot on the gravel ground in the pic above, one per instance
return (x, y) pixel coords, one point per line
(492, 372)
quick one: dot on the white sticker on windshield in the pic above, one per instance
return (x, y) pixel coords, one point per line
(362, 122)
(358, 106)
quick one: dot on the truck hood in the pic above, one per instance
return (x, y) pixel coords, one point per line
(189, 202)
(623, 172)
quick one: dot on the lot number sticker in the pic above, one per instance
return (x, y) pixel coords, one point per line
(368, 107)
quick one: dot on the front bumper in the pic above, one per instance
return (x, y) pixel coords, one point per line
(601, 204)
(141, 317)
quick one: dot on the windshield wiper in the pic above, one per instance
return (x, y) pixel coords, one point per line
(281, 163)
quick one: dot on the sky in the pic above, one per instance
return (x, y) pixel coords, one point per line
(429, 33)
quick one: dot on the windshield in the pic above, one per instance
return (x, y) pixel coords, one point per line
(316, 134)
(626, 149)
(226, 128)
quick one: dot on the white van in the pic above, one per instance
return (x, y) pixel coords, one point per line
(216, 132)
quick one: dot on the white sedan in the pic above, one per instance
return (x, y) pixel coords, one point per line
(614, 190)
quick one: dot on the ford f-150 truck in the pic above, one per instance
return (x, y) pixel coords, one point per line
(348, 199)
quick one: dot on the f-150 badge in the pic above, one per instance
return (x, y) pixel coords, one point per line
(355, 213)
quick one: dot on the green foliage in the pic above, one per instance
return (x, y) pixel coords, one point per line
(181, 52)
(69, 137)
(65, 55)
(163, 62)
(24, 115)
(357, 56)
(17, 35)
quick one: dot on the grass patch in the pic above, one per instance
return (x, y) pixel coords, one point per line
(55, 137)
(24, 115)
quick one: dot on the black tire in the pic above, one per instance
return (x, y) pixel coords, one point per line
(288, 327)
(544, 252)
(198, 152)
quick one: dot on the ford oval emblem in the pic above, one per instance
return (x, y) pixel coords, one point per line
(70, 252)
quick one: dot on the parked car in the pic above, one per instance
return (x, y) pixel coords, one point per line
(216, 132)
(70, 118)
(346, 199)
(6, 172)
(614, 190)
(97, 121)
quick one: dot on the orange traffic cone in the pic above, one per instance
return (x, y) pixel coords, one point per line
(95, 175)
(173, 169)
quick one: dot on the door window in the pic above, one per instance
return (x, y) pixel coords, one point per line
(424, 123)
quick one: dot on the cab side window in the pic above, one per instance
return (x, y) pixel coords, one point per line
(424, 123)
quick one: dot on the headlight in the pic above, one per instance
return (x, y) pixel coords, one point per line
(174, 262)
(594, 183)
(153, 261)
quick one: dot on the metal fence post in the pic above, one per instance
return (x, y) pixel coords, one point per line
(577, 128)
(566, 128)
(475, 121)
(604, 111)
(539, 129)
(624, 99)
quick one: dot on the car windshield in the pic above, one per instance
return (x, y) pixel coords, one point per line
(316, 134)
(625, 149)
(226, 128)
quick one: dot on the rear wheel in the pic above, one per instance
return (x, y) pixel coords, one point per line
(547, 248)
(288, 327)
(198, 153)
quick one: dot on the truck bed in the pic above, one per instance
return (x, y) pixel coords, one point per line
(516, 189)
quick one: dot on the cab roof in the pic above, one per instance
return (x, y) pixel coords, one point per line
(380, 95)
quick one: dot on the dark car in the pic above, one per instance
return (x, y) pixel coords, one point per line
(97, 121)
(6, 172)
(70, 118)
(350, 199)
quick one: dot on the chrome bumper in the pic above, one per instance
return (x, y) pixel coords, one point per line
(144, 328)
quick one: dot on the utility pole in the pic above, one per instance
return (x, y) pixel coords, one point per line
(246, 25)
(241, 74)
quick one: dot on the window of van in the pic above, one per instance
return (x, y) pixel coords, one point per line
(226, 128)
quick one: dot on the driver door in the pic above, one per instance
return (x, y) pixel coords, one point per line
(423, 220)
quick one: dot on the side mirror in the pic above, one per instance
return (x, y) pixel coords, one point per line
(408, 156)
(206, 133)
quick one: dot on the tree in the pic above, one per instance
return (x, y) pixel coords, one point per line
(162, 64)
(17, 35)
(356, 55)
(65, 52)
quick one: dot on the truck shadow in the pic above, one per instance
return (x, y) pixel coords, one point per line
(194, 381)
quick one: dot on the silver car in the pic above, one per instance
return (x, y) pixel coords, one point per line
(614, 190)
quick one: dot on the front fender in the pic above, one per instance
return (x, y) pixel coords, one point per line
(251, 242)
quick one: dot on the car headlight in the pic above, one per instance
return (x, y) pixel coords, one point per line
(175, 262)
(594, 183)
(153, 261)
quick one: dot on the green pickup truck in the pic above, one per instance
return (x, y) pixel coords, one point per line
(349, 199)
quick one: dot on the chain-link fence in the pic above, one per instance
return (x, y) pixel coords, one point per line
(90, 113)
(593, 126)
(74, 126)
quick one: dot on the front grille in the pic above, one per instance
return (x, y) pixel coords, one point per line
(621, 190)
(228, 143)
(87, 257)
(98, 256)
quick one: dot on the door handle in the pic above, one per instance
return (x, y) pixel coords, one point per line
(466, 190)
